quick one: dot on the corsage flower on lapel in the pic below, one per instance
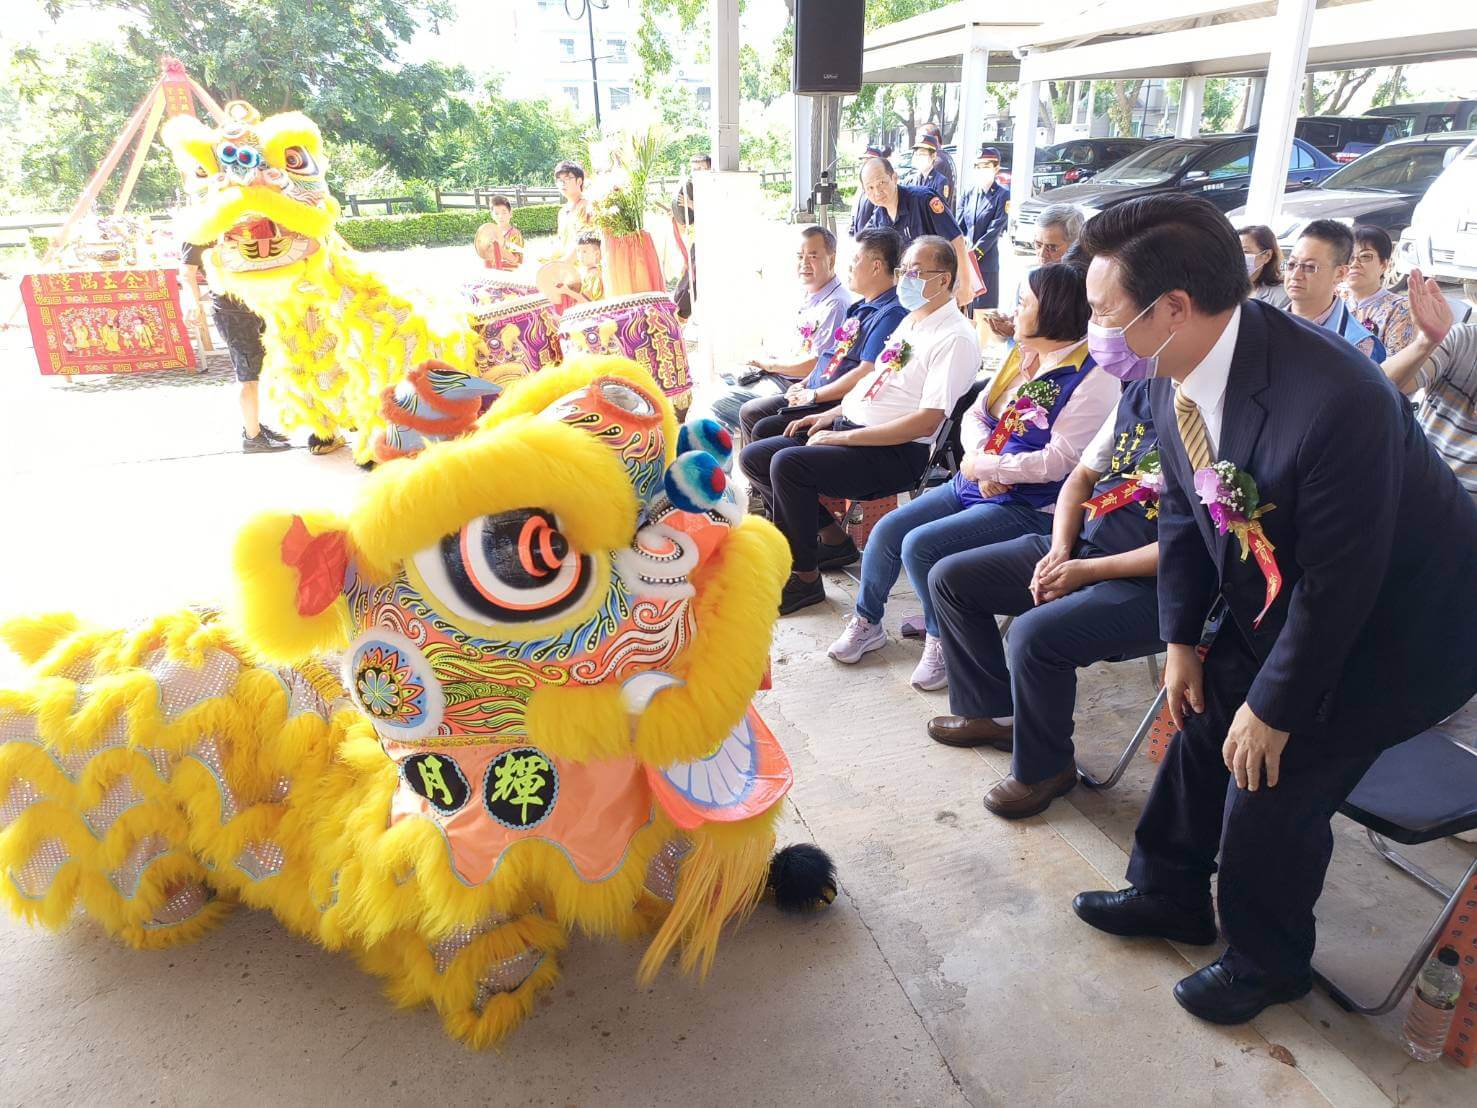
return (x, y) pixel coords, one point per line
(1234, 504)
(1030, 408)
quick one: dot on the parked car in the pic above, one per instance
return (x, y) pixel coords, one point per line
(1428, 118)
(1078, 160)
(1442, 237)
(1217, 167)
(1382, 188)
(1344, 137)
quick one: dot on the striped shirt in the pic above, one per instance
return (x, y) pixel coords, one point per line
(1449, 410)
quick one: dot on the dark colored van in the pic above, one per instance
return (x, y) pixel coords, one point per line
(1429, 118)
(1344, 137)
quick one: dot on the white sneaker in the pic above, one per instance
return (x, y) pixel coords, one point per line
(860, 637)
(931, 675)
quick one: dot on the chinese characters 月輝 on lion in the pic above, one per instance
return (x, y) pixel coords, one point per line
(506, 696)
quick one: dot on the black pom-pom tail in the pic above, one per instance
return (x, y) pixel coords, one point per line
(802, 878)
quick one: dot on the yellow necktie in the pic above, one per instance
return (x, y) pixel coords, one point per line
(1192, 430)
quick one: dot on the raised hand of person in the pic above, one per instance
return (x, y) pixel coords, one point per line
(1003, 325)
(1184, 683)
(1252, 746)
(1428, 309)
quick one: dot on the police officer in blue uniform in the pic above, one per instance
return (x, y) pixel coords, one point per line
(933, 168)
(909, 210)
(983, 212)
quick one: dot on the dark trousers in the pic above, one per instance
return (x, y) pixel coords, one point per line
(1047, 644)
(1274, 844)
(766, 416)
(792, 477)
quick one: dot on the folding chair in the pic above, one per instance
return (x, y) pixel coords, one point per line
(1417, 792)
(1156, 726)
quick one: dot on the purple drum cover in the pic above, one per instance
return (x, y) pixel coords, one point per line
(642, 327)
(520, 335)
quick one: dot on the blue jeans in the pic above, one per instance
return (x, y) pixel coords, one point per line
(930, 528)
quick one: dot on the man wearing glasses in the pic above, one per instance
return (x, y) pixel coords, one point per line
(1057, 231)
(878, 439)
(1319, 263)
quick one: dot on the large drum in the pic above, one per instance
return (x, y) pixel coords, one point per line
(520, 335)
(643, 328)
(493, 289)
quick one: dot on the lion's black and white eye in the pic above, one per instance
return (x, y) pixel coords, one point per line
(514, 567)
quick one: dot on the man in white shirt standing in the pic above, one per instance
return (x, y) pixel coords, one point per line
(878, 440)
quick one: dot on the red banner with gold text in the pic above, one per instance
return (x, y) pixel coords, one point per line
(110, 321)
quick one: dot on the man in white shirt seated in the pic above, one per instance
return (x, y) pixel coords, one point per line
(878, 440)
(824, 298)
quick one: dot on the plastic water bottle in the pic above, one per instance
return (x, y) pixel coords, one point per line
(1432, 1006)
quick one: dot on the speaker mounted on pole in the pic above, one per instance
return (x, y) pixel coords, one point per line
(828, 47)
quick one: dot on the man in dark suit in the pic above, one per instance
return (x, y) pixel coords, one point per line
(1371, 639)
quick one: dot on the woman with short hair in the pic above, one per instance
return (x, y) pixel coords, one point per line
(1384, 313)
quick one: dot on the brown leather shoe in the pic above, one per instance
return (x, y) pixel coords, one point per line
(963, 731)
(1013, 800)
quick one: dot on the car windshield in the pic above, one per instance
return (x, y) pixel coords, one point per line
(1395, 168)
(1153, 165)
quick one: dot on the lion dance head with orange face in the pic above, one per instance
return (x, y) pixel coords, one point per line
(506, 696)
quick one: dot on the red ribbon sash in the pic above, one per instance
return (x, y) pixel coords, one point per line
(1009, 421)
(1110, 501)
(1261, 550)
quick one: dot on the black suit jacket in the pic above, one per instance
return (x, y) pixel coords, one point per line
(1375, 628)
(983, 215)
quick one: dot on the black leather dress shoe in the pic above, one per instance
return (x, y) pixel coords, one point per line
(1217, 994)
(1130, 912)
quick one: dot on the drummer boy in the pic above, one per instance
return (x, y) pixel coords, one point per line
(499, 244)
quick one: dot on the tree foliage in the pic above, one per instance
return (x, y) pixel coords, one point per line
(337, 60)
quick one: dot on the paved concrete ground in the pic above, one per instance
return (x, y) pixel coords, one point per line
(950, 970)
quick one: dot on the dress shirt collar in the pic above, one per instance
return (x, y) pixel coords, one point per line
(882, 300)
(1206, 383)
(824, 293)
(1322, 321)
(939, 318)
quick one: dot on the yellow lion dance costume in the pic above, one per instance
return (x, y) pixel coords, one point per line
(547, 635)
(338, 334)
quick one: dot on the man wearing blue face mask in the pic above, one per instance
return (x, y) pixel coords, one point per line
(1353, 629)
(878, 439)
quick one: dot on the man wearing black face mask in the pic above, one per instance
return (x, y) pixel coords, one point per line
(1353, 628)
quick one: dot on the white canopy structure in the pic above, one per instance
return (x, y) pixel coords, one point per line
(1276, 42)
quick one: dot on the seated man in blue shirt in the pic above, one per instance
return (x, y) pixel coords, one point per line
(823, 304)
(1315, 269)
(850, 350)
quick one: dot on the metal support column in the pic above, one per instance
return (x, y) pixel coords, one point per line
(1273, 152)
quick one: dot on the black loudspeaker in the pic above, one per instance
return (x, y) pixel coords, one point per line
(828, 46)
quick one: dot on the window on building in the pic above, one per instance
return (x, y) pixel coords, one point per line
(704, 97)
(619, 97)
(566, 47)
(572, 94)
(617, 47)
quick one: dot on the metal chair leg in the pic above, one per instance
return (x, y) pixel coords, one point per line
(1128, 752)
(1152, 661)
(1422, 950)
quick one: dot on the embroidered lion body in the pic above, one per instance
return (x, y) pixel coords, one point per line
(541, 643)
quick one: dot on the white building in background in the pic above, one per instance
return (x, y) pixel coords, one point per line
(545, 53)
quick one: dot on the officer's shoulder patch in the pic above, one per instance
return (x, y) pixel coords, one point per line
(936, 205)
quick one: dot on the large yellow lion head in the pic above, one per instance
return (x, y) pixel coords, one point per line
(258, 190)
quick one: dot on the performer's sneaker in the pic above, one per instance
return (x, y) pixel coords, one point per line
(860, 637)
(799, 594)
(324, 446)
(275, 436)
(931, 673)
(261, 444)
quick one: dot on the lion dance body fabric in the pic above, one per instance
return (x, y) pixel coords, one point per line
(505, 697)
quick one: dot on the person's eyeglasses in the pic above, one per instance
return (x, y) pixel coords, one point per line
(913, 271)
(1295, 265)
(1367, 257)
(1049, 247)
